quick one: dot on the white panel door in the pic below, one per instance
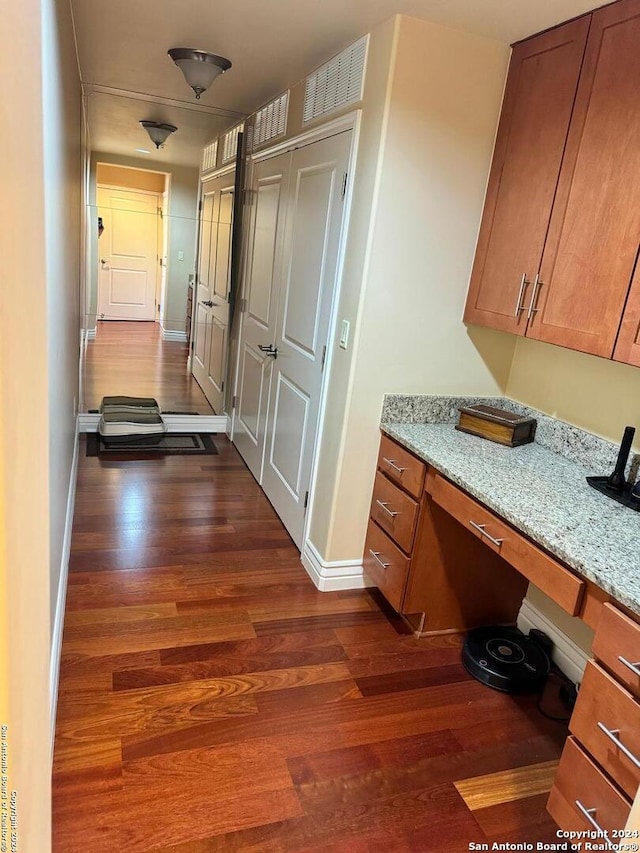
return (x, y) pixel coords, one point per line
(209, 364)
(261, 288)
(315, 214)
(128, 250)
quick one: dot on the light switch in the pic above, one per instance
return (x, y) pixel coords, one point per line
(344, 334)
(181, 256)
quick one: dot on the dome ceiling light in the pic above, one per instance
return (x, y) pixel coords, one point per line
(200, 68)
(158, 131)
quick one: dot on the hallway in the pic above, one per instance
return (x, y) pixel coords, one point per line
(211, 699)
(131, 358)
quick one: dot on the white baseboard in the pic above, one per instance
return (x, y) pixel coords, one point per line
(170, 335)
(566, 655)
(58, 624)
(331, 576)
(90, 334)
(88, 422)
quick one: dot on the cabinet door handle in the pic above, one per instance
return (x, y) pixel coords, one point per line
(391, 463)
(376, 557)
(481, 529)
(385, 507)
(523, 284)
(588, 813)
(537, 284)
(634, 667)
(612, 734)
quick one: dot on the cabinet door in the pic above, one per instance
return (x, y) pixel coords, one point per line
(594, 231)
(538, 100)
(628, 343)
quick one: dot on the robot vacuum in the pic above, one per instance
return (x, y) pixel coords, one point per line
(506, 659)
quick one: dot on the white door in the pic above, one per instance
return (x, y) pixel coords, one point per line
(314, 227)
(287, 384)
(209, 363)
(128, 251)
(264, 257)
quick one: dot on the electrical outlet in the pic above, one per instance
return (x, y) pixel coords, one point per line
(344, 334)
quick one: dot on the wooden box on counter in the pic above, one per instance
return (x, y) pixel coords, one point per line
(497, 425)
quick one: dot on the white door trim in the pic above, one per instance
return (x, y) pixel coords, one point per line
(348, 121)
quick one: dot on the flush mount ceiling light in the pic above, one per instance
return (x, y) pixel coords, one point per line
(200, 68)
(158, 132)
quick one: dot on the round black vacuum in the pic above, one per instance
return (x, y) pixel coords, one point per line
(505, 659)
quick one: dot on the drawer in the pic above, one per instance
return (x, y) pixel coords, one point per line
(580, 781)
(386, 565)
(553, 579)
(617, 645)
(401, 466)
(394, 511)
(603, 704)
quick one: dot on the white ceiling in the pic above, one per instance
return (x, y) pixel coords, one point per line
(122, 45)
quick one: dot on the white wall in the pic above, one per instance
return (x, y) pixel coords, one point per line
(443, 100)
(40, 174)
(183, 221)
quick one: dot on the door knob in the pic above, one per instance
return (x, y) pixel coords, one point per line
(209, 303)
(269, 350)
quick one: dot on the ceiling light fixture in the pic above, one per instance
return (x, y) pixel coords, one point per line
(200, 68)
(158, 131)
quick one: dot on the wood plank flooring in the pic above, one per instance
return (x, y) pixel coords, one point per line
(130, 358)
(212, 700)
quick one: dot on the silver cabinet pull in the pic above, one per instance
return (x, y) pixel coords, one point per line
(588, 813)
(481, 530)
(376, 557)
(634, 667)
(385, 507)
(537, 284)
(523, 284)
(612, 734)
(391, 463)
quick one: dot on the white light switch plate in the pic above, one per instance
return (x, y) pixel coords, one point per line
(181, 256)
(344, 334)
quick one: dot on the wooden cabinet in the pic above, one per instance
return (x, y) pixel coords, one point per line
(538, 101)
(580, 269)
(599, 770)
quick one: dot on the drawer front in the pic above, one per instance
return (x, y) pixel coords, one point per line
(401, 466)
(579, 780)
(394, 511)
(553, 579)
(603, 704)
(386, 565)
(617, 645)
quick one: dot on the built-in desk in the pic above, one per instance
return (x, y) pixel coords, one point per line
(458, 528)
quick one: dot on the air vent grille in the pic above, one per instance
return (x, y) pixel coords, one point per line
(210, 156)
(230, 144)
(336, 83)
(271, 120)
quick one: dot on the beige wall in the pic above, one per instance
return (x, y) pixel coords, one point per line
(133, 179)
(183, 211)
(40, 172)
(405, 307)
(596, 394)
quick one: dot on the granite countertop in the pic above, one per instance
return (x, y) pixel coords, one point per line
(540, 488)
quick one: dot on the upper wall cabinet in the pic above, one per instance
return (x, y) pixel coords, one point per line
(577, 243)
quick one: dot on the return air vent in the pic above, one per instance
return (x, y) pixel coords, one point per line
(230, 144)
(271, 120)
(336, 83)
(210, 156)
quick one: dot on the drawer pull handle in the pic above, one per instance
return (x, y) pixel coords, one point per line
(612, 734)
(634, 667)
(391, 463)
(588, 813)
(385, 507)
(376, 557)
(481, 529)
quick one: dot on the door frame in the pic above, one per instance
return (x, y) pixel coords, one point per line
(163, 200)
(349, 121)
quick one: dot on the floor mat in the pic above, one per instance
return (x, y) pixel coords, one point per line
(151, 447)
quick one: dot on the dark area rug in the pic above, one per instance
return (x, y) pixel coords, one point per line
(171, 444)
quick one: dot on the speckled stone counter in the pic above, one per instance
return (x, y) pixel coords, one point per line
(539, 490)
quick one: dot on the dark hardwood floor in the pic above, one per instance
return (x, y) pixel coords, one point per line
(212, 700)
(130, 358)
